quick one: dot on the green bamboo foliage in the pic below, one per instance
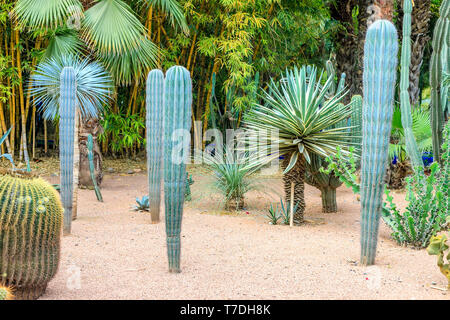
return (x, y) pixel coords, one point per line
(154, 124)
(440, 37)
(90, 147)
(31, 217)
(177, 126)
(379, 77)
(66, 141)
(410, 141)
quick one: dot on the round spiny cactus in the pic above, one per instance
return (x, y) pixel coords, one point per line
(31, 218)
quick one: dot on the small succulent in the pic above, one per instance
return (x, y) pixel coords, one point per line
(274, 214)
(142, 204)
(285, 210)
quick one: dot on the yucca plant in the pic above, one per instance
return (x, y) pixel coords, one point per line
(298, 118)
(232, 170)
(93, 88)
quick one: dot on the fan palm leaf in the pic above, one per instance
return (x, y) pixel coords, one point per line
(111, 27)
(46, 14)
(63, 42)
(174, 11)
(94, 86)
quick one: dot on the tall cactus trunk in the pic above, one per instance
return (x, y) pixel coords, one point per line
(177, 127)
(76, 163)
(411, 145)
(67, 133)
(154, 124)
(380, 65)
(440, 35)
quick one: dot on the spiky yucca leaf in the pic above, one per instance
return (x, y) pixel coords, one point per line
(298, 110)
(94, 86)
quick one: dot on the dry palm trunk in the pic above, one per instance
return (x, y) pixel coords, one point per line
(90, 127)
(297, 176)
(347, 46)
(420, 21)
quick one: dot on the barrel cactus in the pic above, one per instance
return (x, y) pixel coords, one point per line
(177, 126)
(379, 77)
(154, 124)
(31, 217)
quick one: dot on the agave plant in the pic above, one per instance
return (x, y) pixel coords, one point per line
(142, 204)
(93, 90)
(298, 117)
(231, 172)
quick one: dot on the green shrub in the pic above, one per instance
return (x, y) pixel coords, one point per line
(428, 198)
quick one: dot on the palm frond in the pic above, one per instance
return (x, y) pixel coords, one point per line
(46, 14)
(94, 86)
(173, 9)
(111, 27)
(63, 42)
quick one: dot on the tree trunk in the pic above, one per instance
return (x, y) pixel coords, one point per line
(420, 21)
(296, 175)
(234, 204)
(329, 204)
(93, 127)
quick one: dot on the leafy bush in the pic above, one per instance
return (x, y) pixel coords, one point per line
(428, 198)
(122, 132)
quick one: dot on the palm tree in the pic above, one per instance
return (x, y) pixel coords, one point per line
(108, 28)
(93, 91)
(297, 108)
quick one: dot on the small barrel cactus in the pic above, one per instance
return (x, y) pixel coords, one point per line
(379, 77)
(31, 217)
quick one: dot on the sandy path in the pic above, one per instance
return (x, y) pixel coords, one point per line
(119, 254)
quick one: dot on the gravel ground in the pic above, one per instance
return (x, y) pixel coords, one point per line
(116, 253)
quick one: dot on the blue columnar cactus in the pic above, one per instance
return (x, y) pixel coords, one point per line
(154, 124)
(440, 37)
(66, 141)
(410, 141)
(177, 126)
(380, 65)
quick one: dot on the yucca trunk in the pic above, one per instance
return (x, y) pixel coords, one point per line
(90, 127)
(329, 203)
(234, 204)
(297, 176)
